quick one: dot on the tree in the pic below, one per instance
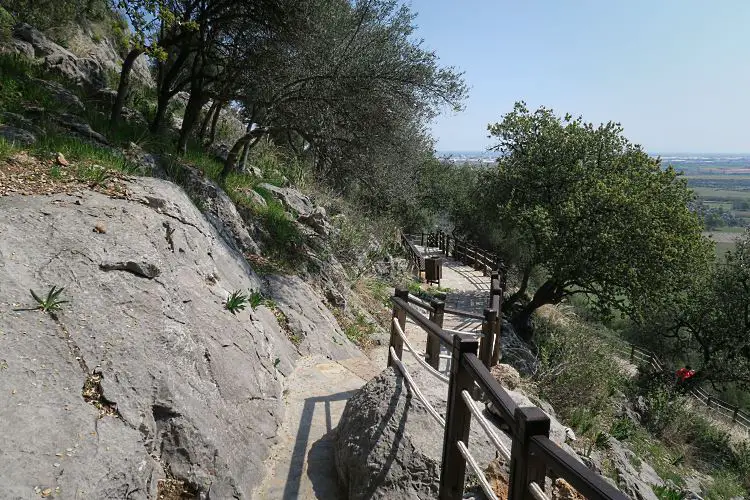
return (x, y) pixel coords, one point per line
(591, 210)
(710, 323)
(352, 75)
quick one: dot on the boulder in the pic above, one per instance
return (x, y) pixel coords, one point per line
(292, 199)
(317, 220)
(506, 375)
(61, 95)
(147, 163)
(386, 445)
(79, 127)
(142, 375)
(379, 453)
(16, 135)
(86, 72)
(20, 121)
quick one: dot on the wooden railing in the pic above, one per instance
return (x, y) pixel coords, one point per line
(533, 456)
(416, 259)
(729, 413)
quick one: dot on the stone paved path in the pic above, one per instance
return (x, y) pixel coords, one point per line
(301, 465)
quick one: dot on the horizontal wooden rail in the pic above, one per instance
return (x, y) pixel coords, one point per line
(574, 472)
(423, 322)
(463, 314)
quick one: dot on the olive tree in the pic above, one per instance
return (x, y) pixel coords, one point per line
(591, 211)
(352, 77)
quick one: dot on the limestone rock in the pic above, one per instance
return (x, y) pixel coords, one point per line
(220, 211)
(19, 121)
(292, 199)
(506, 375)
(314, 327)
(86, 72)
(79, 127)
(377, 452)
(62, 95)
(317, 220)
(16, 135)
(634, 477)
(184, 388)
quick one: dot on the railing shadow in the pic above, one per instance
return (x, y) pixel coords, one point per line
(320, 464)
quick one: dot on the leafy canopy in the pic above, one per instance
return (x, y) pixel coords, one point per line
(594, 211)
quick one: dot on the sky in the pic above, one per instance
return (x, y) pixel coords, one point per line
(674, 73)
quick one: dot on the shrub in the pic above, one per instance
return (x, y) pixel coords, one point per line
(622, 428)
(577, 369)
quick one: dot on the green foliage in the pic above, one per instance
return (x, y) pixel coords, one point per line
(360, 331)
(6, 25)
(50, 303)
(237, 301)
(622, 428)
(725, 485)
(87, 152)
(256, 299)
(7, 149)
(667, 493)
(709, 321)
(593, 210)
(285, 238)
(44, 14)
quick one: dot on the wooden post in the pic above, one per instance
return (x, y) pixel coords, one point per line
(457, 421)
(496, 303)
(525, 468)
(734, 414)
(396, 342)
(421, 240)
(432, 352)
(632, 353)
(488, 328)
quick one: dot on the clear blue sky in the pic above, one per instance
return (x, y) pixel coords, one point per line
(675, 73)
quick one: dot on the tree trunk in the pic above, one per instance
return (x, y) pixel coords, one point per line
(192, 112)
(239, 146)
(124, 86)
(207, 120)
(549, 293)
(214, 121)
(161, 111)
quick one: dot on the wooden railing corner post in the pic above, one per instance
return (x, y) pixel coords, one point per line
(488, 330)
(457, 421)
(524, 467)
(432, 352)
(400, 314)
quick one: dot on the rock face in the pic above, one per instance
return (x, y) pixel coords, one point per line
(143, 374)
(313, 327)
(87, 72)
(634, 477)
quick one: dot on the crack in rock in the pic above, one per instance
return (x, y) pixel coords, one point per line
(143, 268)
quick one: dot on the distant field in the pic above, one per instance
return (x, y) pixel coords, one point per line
(710, 193)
